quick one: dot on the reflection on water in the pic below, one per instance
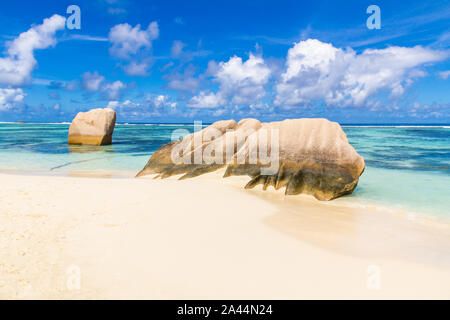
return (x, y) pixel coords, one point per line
(88, 148)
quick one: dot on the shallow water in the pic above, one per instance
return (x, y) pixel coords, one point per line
(407, 167)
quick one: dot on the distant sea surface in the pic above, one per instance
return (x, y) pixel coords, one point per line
(407, 166)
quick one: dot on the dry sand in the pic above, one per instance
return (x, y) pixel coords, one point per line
(206, 238)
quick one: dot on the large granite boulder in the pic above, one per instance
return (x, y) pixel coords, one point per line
(94, 127)
(310, 156)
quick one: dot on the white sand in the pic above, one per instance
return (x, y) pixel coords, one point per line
(206, 238)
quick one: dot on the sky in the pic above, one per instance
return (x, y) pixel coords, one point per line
(184, 61)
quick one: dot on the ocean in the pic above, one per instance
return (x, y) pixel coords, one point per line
(407, 167)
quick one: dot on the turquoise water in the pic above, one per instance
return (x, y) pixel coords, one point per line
(407, 168)
(44, 147)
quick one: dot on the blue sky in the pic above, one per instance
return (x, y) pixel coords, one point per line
(179, 61)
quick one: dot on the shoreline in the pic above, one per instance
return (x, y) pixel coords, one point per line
(130, 239)
(374, 214)
(362, 204)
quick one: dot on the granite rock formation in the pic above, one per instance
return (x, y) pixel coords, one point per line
(310, 156)
(94, 127)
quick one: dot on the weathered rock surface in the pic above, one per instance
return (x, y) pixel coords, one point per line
(310, 156)
(94, 127)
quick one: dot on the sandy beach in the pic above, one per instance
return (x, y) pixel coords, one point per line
(81, 237)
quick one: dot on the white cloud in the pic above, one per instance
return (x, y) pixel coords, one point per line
(125, 107)
(426, 111)
(219, 112)
(239, 83)
(135, 68)
(317, 70)
(127, 40)
(177, 48)
(160, 104)
(112, 104)
(133, 45)
(444, 74)
(9, 98)
(162, 100)
(96, 82)
(244, 81)
(17, 66)
(114, 90)
(92, 81)
(207, 100)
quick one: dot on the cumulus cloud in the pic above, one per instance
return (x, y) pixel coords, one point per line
(316, 70)
(239, 83)
(162, 101)
(127, 40)
(207, 100)
(114, 90)
(135, 68)
(9, 98)
(133, 45)
(92, 81)
(113, 104)
(244, 81)
(16, 67)
(96, 82)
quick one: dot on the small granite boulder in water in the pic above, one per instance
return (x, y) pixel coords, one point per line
(310, 156)
(94, 127)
